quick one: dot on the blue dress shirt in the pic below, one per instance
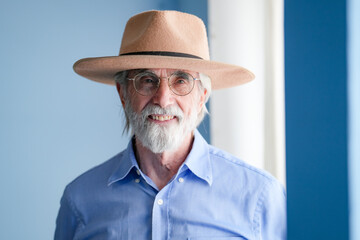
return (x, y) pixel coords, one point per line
(213, 196)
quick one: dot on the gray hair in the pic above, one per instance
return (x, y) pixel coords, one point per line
(204, 83)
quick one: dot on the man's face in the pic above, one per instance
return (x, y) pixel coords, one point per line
(162, 121)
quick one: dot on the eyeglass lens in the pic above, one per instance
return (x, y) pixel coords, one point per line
(147, 83)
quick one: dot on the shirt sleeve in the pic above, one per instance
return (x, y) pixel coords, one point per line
(67, 221)
(270, 214)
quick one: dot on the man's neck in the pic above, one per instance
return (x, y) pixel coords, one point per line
(161, 167)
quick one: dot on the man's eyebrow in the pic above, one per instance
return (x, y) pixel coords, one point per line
(133, 72)
(136, 71)
(181, 72)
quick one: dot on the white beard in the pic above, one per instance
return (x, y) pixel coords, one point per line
(155, 137)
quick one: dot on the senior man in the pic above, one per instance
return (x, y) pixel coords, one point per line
(169, 183)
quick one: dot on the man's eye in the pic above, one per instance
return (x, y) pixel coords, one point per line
(180, 78)
(148, 80)
(181, 81)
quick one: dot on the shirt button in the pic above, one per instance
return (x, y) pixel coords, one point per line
(160, 202)
(138, 172)
(181, 180)
(137, 180)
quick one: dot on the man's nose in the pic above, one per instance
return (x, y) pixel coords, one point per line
(164, 96)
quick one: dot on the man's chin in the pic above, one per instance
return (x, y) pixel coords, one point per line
(159, 139)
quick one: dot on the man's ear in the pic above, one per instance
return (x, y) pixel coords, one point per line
(202, 99)
(121, 95)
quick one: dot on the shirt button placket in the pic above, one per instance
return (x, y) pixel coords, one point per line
(159, 219)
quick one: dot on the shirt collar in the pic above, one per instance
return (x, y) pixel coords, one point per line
(127, 162)
(198, 161)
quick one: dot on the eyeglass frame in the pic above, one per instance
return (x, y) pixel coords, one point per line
(159, 78)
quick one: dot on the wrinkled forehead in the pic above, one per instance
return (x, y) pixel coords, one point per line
(162, 71)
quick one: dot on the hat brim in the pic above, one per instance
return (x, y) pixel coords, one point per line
(103, 69)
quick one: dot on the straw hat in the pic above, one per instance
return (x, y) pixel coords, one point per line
(164, 39)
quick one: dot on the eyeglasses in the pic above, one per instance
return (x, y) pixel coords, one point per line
(147, 83)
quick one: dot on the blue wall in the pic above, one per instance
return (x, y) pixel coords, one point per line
(55, 124)
(316, 119)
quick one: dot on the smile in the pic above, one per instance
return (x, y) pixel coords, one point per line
(162, 117)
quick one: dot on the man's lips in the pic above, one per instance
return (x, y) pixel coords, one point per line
(161, 118)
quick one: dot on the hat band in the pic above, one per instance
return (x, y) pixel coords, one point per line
(162, 53)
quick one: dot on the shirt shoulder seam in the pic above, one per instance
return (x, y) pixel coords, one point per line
(239, 162)
(257, 212)
(73, 207)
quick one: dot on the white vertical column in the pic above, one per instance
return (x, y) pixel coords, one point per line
(274, 116)
(245, 119)
(236, 32)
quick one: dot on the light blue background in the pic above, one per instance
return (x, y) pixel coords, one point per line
(55, 124)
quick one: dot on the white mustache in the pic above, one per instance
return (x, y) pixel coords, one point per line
(155, 109)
